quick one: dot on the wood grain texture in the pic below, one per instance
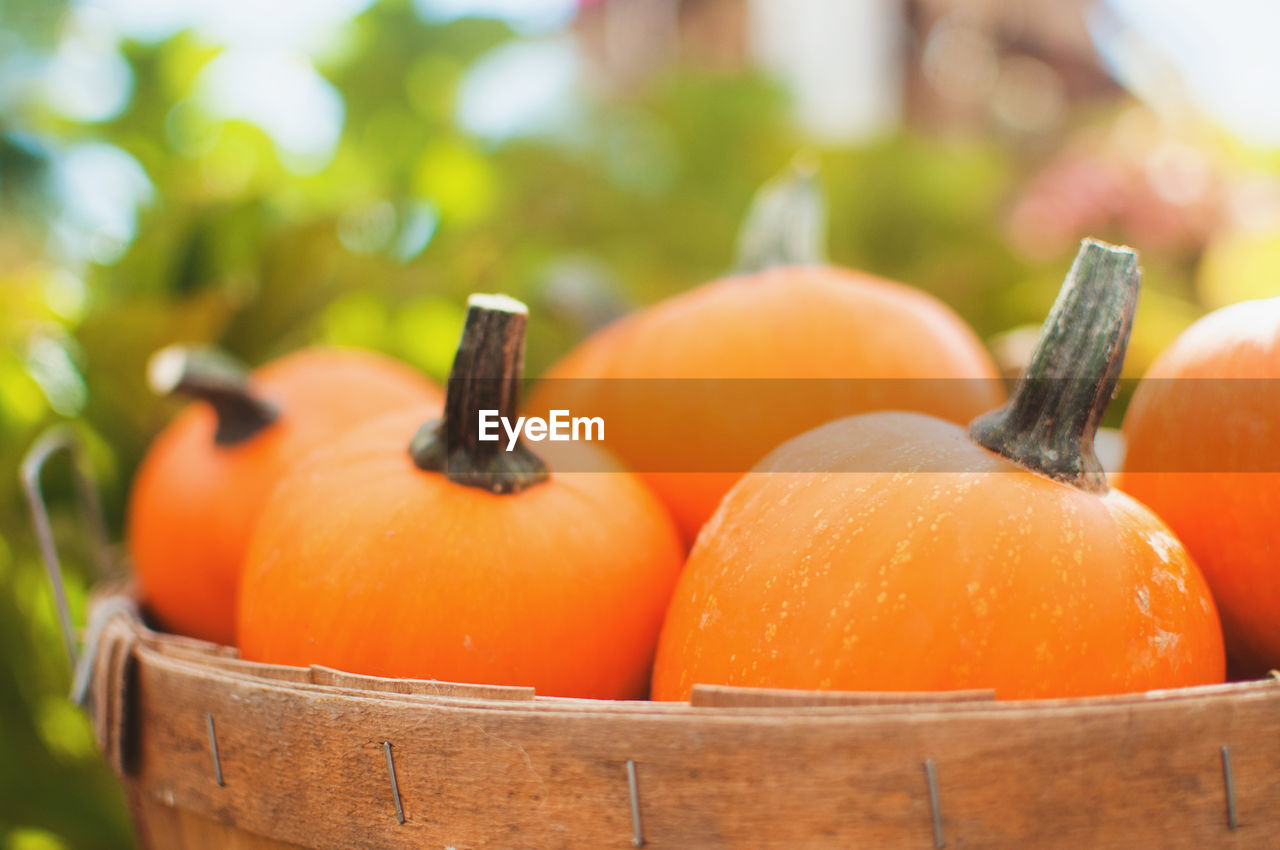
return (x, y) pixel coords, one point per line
(429, 687)
(304, 764)
(164, 827)
(724, 696)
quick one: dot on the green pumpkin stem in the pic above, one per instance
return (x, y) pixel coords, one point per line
(1050, 423)
(787, 222)
(486, 375)
(214, 377)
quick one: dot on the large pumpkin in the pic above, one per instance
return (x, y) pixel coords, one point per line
(896, 551)
(206, 476)
(1203, 436)
(698, 388)
(459, 559)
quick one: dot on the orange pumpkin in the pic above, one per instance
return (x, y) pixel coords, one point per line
(895, 551)
(204, 479)
(670, 379)
(1202, 435)
(453, 558)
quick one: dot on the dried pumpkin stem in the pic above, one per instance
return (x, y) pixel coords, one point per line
(1049, 424)
(212, 376)
(486, 376)
(787, 222)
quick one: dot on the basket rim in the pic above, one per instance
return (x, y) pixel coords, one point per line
(707, 700)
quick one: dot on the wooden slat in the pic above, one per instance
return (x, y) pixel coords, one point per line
(426, 687)
(723, 696)
(238, 666)
(185, 645)
(163, 827)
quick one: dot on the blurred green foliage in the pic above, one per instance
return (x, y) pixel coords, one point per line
(237, 242)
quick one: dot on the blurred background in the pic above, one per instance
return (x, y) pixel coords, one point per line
(268, 174)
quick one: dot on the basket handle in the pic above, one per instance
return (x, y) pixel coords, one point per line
(59, 438)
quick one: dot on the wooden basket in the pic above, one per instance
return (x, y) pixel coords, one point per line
(217, 752)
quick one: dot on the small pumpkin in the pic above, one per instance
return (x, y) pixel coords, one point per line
(1202, 433)
(205, 477)
(425, 552)
(896, 551)
(669, 378)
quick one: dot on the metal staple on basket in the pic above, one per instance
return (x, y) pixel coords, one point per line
(935, 805)
(633, 795)
(1230, 786)
(213, 751)
(395, 785)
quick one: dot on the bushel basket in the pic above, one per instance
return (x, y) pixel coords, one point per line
(218, 752)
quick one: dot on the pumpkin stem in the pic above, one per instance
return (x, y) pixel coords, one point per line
(787, 221)
(486, 375)
(215, 377)
(1049, 424)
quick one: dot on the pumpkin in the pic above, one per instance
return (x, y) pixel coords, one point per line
(426, 552)
(701, 386)
(206, 476)
(1202, 434)
(896, 551)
